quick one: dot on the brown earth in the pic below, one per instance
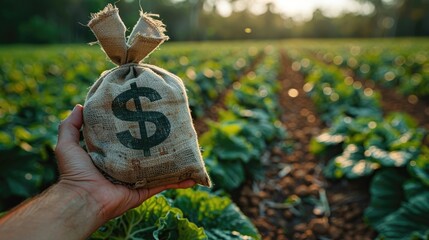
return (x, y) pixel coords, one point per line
(295, 201)
(330, 210)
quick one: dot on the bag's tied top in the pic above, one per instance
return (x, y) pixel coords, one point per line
(147, 35)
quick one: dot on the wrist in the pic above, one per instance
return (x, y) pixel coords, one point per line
(81, 200)
(61, 212)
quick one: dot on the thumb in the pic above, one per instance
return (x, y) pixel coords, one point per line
(68, 138)
(68, 131)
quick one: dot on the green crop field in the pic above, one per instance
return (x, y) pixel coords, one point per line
(368, 131)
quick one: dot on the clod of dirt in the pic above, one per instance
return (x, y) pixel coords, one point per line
(335, 232)
(300, 227)
(319, 225)
(314, 189)
(302, 190)
(299, 174)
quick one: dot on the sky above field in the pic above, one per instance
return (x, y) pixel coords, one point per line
(297, 9)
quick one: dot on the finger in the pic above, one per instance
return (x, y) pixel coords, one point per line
(68, 148)
(184, 184)
(144, 193)
(68, 132)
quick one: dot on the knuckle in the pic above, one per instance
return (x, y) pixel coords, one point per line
(58, 148)
(62, 124)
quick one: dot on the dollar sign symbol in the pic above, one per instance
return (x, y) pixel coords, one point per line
(160, 120)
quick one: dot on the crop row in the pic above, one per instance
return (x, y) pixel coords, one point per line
(233, 146)
(232, 149)
(41, 84)
(206, 75)
(403, 66)
(385, 148)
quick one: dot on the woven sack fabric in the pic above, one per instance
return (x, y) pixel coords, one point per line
(137, 124)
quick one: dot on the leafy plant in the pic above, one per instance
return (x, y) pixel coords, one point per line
(387, 195)
(154, 219)
(398, 207)
(232, 148)
(181, 214)
(410, 221)
(234, 145)
(220, 218)
(369, 143)
(419, 168)
(333, 96)
(29, 153)
(400, 66)
(41, 84)
(373, 145)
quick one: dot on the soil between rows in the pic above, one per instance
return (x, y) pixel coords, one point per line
(298, 175)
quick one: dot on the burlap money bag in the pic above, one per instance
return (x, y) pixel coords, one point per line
(137, 124)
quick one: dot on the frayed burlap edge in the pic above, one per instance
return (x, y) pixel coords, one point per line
(146, 36)
(99, 16)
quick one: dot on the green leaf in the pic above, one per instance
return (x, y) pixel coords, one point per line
(386, 194)
(411, 219)
(217, 215)
(224, 145)
(233, 222)
(231, 128)
(232, 148)
(413, 187)
(227, 174)
(350, 164)
(174, 226)
(330, 139)
(420, 166)
(316, 147)
(22, 173)
(410, 140)
(388, 158)
(401, 121)
(154, 219)
(420, 236)
(226, 234)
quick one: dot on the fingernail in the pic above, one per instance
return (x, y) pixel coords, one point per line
(76, 106)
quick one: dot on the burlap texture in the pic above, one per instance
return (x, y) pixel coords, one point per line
(137, 124)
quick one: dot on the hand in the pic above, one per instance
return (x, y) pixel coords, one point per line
(80, 202)
(77, 173)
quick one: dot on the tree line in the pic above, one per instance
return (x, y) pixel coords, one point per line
(49, 21)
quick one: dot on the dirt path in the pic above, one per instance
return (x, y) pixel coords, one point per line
(295, 201)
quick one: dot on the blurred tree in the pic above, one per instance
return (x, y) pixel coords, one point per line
(382, 12)
(51, 21)
(320, 26)
(400, 17)
(413, 18)
(352, 24)
(47, 21)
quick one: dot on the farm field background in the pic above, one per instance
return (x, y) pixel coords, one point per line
(311, 139)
